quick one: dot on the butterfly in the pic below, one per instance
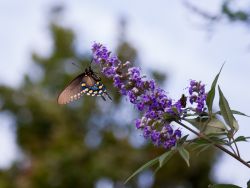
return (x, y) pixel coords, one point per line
(86, 83)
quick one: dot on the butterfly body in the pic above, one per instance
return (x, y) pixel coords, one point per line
(86, 83)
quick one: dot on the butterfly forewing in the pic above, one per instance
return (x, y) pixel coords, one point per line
(72, 91)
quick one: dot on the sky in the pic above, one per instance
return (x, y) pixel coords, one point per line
(168, 36)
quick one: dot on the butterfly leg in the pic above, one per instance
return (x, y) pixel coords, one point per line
(103, 97)
(108, 95)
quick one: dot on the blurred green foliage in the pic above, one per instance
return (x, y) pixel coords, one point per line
(230, 10)
(77, 144)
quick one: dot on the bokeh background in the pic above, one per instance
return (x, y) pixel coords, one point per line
(92, 143)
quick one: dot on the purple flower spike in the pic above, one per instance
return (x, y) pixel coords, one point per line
(147, 97)
(197, 95)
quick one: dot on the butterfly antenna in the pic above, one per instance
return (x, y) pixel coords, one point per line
(90, 63)
(77, 66)
(92, 60)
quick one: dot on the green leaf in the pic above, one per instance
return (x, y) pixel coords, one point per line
(215, 126)
(183, 139)
(235, 112)
(223, 186)
(165, 158)
(184, 154)
(211, 93)
(241, 139)
(204, 148)
(200, 141)
(235, 125)
(239, 113)
(198, 122)
(208, 125)
(248, 184)
(199, 146)
(162, 159)
(169, 118)
(226, 112)
(145, 166)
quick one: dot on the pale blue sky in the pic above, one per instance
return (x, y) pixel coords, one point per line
(168, 36)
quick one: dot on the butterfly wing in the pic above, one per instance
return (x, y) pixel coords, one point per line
(89, 81)
(72, 91)
(80, 85)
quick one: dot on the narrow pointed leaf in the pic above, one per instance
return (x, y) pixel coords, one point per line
(235, 112)
(223, 186)
(241, 139)
(235, 125)
(162, 159)
(211, 93)
(184, 154)
(183, 139)
(204, 148)
(145, 166)
(165, 158)
(226, 111)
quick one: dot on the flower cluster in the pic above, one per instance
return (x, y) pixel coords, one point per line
(197, 95)
(147, 97)
(165, 137)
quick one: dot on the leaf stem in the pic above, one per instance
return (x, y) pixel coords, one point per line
(238, 152)
(214, 144)
(232, 149)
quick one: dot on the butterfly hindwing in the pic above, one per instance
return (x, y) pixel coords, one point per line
(93, 89)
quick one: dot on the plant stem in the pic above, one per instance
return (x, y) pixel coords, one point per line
(216, 145)
(232, 149)
(236, 147)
